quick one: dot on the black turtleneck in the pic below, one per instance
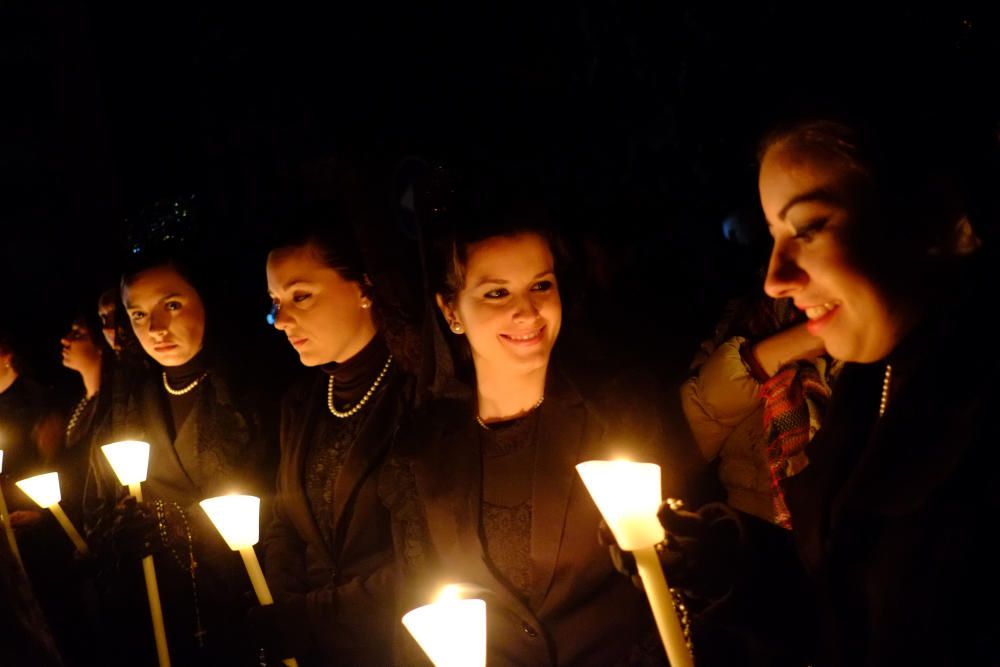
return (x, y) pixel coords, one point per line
(352, 378)
(333, 437)
(182, 376)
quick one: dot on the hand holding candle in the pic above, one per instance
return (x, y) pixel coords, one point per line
(628, 496)
(130, 460)
(238, 520)
(450, 630)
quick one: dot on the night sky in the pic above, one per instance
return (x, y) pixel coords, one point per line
(639, 119)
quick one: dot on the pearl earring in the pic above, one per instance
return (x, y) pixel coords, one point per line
(457, 327)
(366, 305)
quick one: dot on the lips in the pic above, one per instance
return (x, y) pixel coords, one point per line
(165, 347)
(820, 315)
(297, 342)
(525, 338)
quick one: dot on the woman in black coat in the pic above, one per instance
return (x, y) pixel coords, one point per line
(328, 550)
(206, 439)
(893, 513)
(483, 488)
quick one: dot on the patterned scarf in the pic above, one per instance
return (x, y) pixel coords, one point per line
(794, 401)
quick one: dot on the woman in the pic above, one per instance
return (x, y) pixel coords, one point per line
(84, 353)
(328, 552)
(484, 491)
(205, 440)
(893, 513)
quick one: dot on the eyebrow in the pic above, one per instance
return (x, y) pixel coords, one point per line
(172, 295)
(292, 283)
(501, 281)
(821, 195)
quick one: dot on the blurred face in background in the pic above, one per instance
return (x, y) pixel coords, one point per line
(325, 317)
(166, 314)
(106, 311)
(79, 352)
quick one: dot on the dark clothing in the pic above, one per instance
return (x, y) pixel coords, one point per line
(577, 610)
(218, 449)
(24, 635)
(328, 550)
(22, 405)
(894, 515)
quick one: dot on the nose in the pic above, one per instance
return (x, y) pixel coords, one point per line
(281, 318)
(784, 274)
(525, 308)
(65, 341)
(159, 323)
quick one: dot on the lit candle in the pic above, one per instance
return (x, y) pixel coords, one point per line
(130, 461)
(44, 490)
(628, 496)
(237, 518)
(450, 630)
(5, 520)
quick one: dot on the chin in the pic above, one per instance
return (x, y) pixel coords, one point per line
(309, 360)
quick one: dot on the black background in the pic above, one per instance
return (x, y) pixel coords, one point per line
(639, 117)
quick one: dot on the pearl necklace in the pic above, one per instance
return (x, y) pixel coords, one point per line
(885, 390)
(364, 399)
(182, 390)
(77, 412)
(479, 420)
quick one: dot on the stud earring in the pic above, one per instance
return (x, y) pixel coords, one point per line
(457, 327)
(366, 305)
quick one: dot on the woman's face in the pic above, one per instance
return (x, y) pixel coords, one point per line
(815, 215)
(79, 352)
(325, 317)
(167, 315)
(509, 307)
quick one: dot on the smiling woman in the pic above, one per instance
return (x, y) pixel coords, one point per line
(481, 485)
(892, 515)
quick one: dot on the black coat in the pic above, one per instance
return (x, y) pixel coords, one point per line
(218, 449)
(338, 600)
(894, 515)
(580, 611)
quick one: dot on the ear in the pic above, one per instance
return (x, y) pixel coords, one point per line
(446, 310)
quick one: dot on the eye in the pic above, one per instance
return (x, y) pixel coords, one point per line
(137, 315)
(808, 231)
(299, 298)
(542, 286)
(172, 305)
(498, 293)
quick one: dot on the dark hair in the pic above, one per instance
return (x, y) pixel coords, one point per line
(907, 178)
(476, 215)
(338, 244)
(188, 266)
(452, 251)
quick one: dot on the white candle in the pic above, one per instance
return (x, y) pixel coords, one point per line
(237, 518)
(130, 461)
(44, 490)
(5, 520)
(450, 630)
(628, 496)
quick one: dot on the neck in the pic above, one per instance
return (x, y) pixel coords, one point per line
(7, 379)
(91, 380)
(503, 395)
